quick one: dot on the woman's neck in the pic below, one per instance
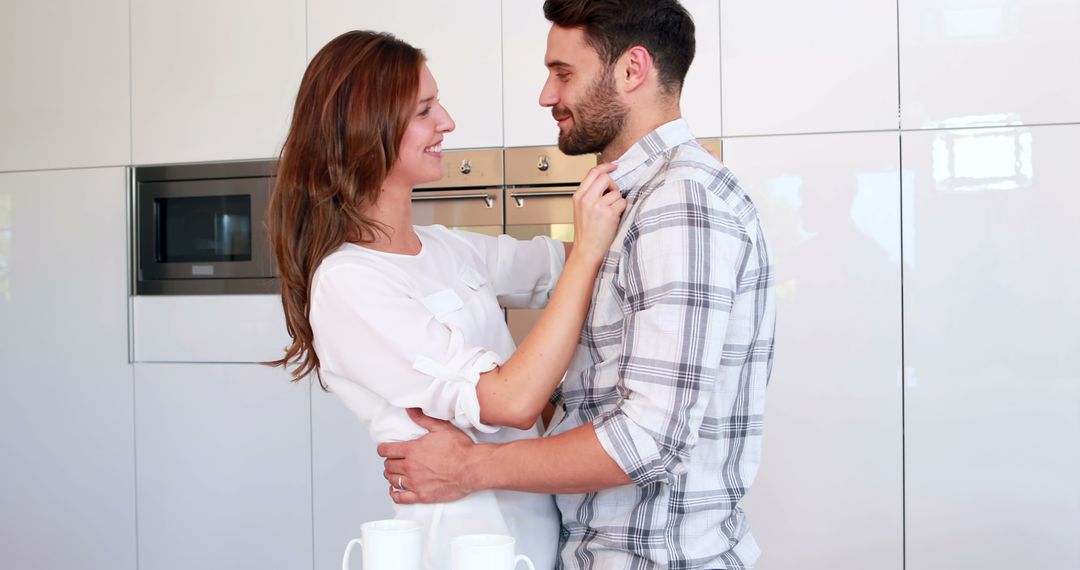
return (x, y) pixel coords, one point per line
(393, 210)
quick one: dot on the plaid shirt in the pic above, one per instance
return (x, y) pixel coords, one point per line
(672, 367)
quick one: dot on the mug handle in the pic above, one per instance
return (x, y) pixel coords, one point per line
(348, 549)
(523, 558)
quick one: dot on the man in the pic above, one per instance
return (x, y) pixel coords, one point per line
(656, 434)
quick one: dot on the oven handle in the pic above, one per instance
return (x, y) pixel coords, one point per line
(488, 199)
(519, 197)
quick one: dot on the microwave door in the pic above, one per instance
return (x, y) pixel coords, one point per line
(204, 229)
(537, 212)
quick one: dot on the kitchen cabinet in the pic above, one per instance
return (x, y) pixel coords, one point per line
(224, 467)
(832, 456)
(701, 93)
(64, 68)
(997, 62)
(524, 37)
(67, 498)
(213, 80)
(783, 74)
(349, 489)
(463, 47)
(208, 328)
(992, 389)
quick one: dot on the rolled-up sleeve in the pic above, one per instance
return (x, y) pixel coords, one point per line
(523, 272)
(369, 331)
(679, 272)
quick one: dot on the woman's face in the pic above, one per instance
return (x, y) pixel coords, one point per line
(419, 157)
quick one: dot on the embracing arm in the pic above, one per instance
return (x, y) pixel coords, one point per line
(515, 393)
(571, 462)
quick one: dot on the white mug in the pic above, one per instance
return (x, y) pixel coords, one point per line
(388, 545)
(485, 552)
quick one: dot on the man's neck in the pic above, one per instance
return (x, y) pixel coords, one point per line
(637, 126)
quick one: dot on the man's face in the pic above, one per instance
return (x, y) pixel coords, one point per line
(581, 92)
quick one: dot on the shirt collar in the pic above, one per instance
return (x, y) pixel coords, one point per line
(634, 162)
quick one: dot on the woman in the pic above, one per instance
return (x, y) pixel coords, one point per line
(394, 316)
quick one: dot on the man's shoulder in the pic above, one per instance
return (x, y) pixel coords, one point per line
(695, 178)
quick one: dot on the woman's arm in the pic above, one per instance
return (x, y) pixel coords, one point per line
(515, 393)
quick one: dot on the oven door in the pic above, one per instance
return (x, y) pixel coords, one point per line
(476, 210)
(532, 212)
(204, 229)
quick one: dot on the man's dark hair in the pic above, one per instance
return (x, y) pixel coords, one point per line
(611, 27)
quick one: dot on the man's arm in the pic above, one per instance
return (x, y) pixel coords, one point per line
(571, 462)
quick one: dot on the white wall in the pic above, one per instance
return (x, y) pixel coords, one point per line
(910, 158)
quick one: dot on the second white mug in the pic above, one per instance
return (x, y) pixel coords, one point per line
(485, 552)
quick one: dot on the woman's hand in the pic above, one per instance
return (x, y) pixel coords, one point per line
(598, 207)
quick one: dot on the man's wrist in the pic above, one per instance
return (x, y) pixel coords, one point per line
(476, 473)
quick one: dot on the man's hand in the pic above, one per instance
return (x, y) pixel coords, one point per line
(431, 469)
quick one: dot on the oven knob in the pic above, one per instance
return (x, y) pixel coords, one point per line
(542, 165)
(466, 167)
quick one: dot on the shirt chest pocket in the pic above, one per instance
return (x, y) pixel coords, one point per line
(464, 307)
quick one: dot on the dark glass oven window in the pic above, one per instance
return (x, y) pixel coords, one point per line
(203, 229)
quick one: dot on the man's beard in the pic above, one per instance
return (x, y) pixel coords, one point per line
(599, 118)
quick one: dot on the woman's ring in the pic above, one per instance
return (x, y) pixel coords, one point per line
(400, 485)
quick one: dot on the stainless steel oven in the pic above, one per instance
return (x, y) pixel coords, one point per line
(468, 197)
(201, 229)
(540, 182)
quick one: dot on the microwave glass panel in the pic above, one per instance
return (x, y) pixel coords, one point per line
(203, 229)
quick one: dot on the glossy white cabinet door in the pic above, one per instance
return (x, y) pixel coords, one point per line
(701, 93)
(213, 79)
(829, 493)
(349, 489)
(64, 70)
(525, 40)
(989, 62)
(67, 457)
(460, 39)
(224, 467)
(992, 400)
(796, 67)
(208, 328)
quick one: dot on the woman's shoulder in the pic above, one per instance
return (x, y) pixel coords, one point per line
(358, 268)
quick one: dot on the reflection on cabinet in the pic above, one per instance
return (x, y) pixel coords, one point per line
(462, 45)
(992, 406)
(64, 69)
(210, 88)
(832, 453)
(67, 498)
(224, 467)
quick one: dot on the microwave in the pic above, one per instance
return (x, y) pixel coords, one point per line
(200, 229)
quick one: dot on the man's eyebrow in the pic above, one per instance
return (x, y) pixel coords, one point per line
(557, 63)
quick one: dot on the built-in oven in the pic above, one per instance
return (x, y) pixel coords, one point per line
(469, 195)
(540, 183)
(201, 229)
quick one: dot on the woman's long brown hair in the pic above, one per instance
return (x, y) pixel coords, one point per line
(355, 101)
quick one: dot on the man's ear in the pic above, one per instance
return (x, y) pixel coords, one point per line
(637, 64)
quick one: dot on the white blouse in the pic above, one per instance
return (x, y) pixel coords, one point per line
(399, 331)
